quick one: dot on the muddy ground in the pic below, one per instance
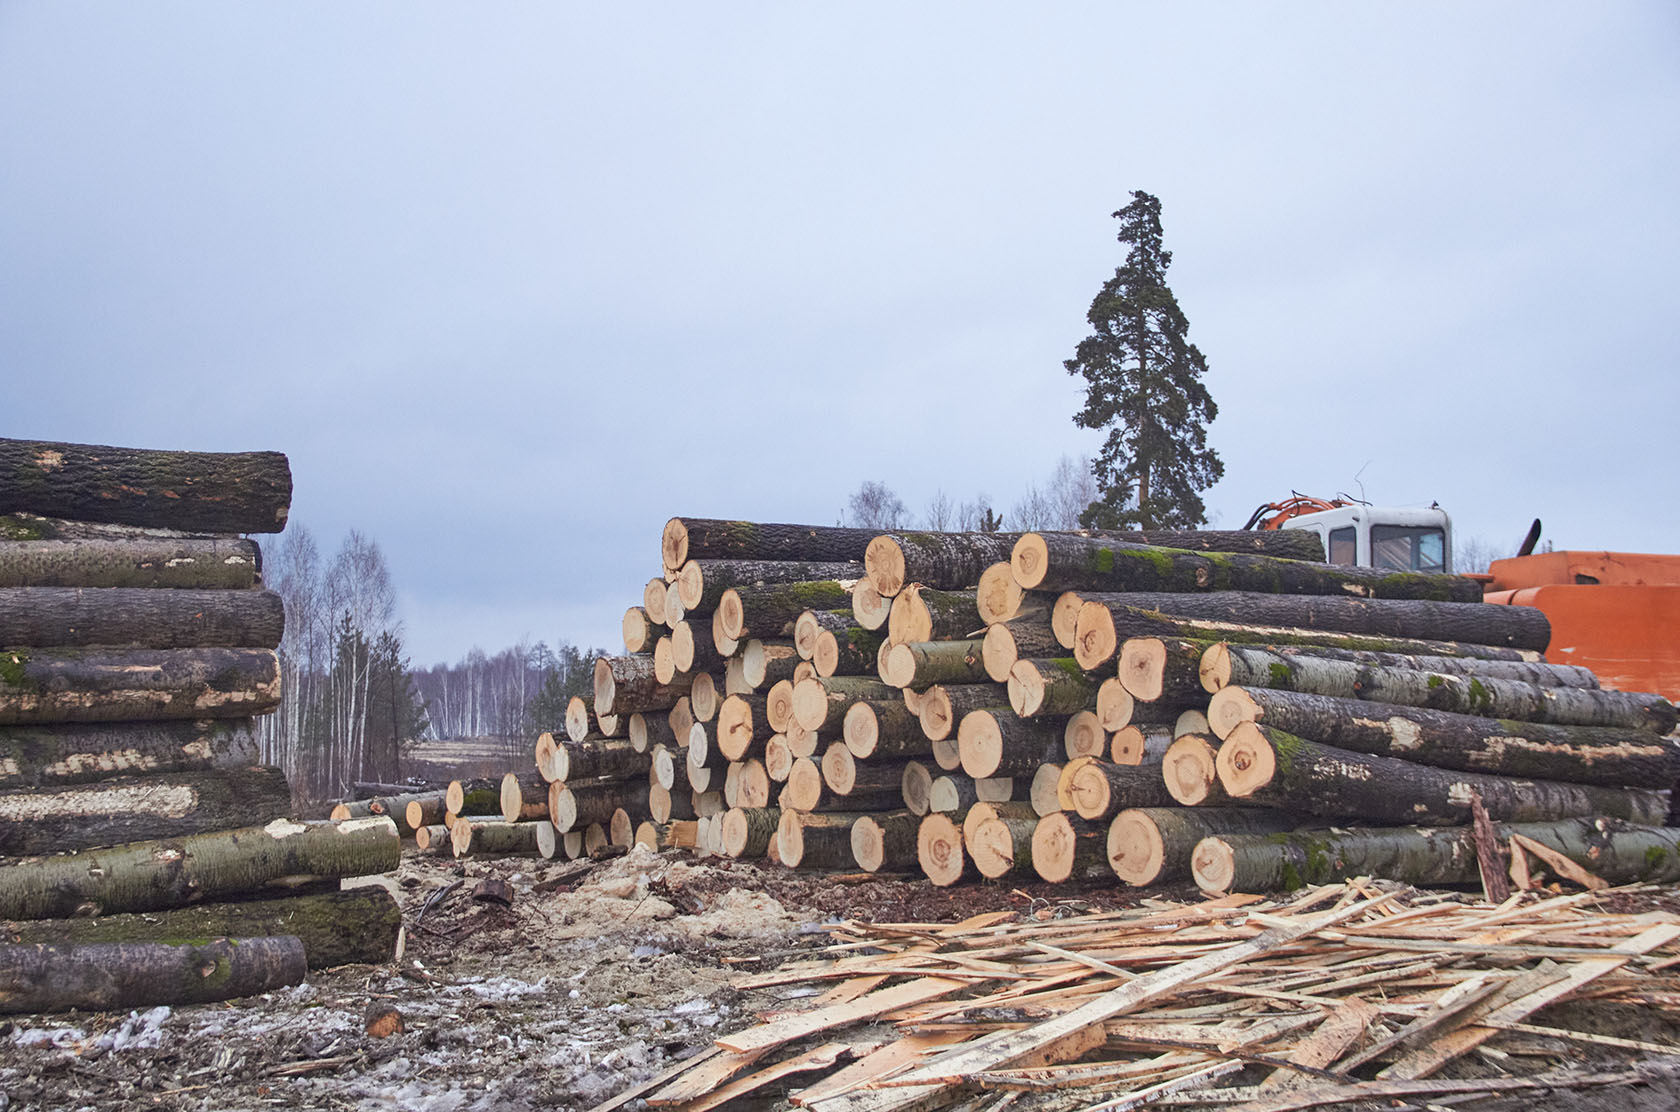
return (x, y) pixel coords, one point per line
(594, 979)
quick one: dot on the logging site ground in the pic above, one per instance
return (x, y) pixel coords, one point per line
(601, 974)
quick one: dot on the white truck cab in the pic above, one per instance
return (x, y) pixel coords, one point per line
(1395, 538)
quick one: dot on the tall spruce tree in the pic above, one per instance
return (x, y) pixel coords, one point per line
(1144, 384)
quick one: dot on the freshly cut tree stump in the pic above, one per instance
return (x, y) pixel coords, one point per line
(625, 685)
(769, 612)
(524, 797)
(1484, 696)
(695, 538)
(868, 607)
(920, 613)
(490, 837)
(1055, 686)
(44, 686)
(944, 561)
(140, 618)
(943, 707)
(939, 849)
(806, 841)
(883, 728)
(1270, 767)
(137, 808)
(185, 563)
(925, 663)
(112, 976)
(1026, 637)
(1002, 845)
(994, 742)
(197, 492)
(700, 584)
(146, 876)
(356, 926)
(1067, 562)
(1190, 772)
(819, 705)
(885, 842)
(639, 631)
(38, 756)
(1064, 845)
(1577, 754)
(1153, 845)
(748, 833)
(1616, 852)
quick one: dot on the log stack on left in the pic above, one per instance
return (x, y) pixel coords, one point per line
(136, 646)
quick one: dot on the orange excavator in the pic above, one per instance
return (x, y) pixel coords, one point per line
(1617, 613)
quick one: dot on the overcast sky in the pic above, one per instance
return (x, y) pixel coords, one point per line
(513, 283)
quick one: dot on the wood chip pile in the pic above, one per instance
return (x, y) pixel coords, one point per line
(1210, 705)
(1347, 992)
(137, 643)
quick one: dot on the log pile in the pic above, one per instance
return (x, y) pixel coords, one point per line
(137, 645)
(1064, 704)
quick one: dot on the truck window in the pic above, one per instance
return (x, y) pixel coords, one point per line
(1342, 549)
(1408, 548)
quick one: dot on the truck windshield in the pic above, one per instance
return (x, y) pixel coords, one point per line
(1408, 548)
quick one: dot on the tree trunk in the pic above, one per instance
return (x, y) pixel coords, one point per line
(942, 708)
(601, 759)
(140, 618)
(112, 976)
(1575, 754)
(1066, 562)
(695, 538)
(1099, 790)
(433, 840)
(1054, 686)
(138, 684)
(1484, 696)
(748, 833)
(939, 849)
(1001, 846)
(1189, 771)
(524, 797)
(356, 926)
(852, 652)
(200, 868)
(193, 563)
(819, 705)
(769, 612)
(41, 756)
(198, 492)
(487, 837)
(639, 631)
(943, 561)
(742, 722)
(885, 842)
(692, 649)
(815, 841)
(922, 614)
(473, 797)
(924, 663)
(1276, 769)
(701, 583)
(135, 808)
(994, 742)
(883, 728)
(403, 809)
(1616, 852)
(1018, 639)
(625, 685)
(1153, 845)
(1065, 846)
(574, 808)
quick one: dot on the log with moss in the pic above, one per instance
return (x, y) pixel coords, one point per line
(200, 868)
(91, 685)
(73, 753)
(920, 613)
(355, 926)
(924, 663)
(696, 538)
(1051, 686)
(1154, 845)
(771, 611)
(135, 808)
(1577, 754)
(113, 976)
(491, 836)
(186, 563)
(700, 584)
(1065, 561)
(1614, 851)
(140, 618)
(1265, 766)
(203, 492)
(1228, 665)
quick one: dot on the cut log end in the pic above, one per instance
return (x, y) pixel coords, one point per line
(998, 652)
(883, 563)
(999, 597)
(653, 600)
(1189, 769)
(1029, 561)
(939, 849)
(869, 607)
(1213, 865)
(1095, 640)
(1084, 736)
(1143, 662)
(673, 544)
(1229, 708)
(1215, 668)
(1136, 851)
(1246, 761)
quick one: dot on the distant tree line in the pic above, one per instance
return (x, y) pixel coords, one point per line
(514, 695)
(1056, 503)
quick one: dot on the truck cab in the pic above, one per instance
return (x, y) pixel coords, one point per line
(1395, 538)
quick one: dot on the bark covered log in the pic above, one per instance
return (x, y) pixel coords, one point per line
(769, 612)
(943, 561)
(885, 842)
(1065, 845)
(136, 808)
(1017, 639)
(201, 563)
(1099, 790)
(852, 652)
(205, 492)
(1190, 771)
(747, 833)
(995, 742)
(819, 705)
(924, 663)
(1265, 766)
(1234, 665)
(883, 728)
(1067, 562)
(36, 756)
(1053, 686)
(939, 849)
(625, 685)
(942, 707)
(696, 538)
(112, 976)
(701, 583)
(136, 684)
(1001, 845)
(920, 613)
(1153, 845)
(200, 868)
(815, 841)
(1576, 754)
(140, 618)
